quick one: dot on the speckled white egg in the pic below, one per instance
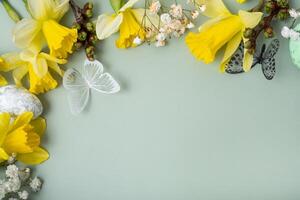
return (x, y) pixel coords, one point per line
(15, 100)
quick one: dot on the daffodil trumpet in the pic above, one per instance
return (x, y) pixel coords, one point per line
(44, 28)
(131, 24)
(21, 137)
(224, 28)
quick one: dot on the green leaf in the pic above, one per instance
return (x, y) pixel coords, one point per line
(116, 4)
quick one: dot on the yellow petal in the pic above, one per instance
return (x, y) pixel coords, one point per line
(108, 25)
(39, 126)
(248, 61)
(149, 21)
(41, 85)
(25, 32)
(12, 61)
(231, 47)
(40, 10)
(55, 67)
(129, 4)
(211, 22)
(38, 156)
(2, 81)
(38, 63)
(19, 73)
(3, 155)
(21, 140)
(60, 39)
(60, 7)
(205, 44)
(250, 19)
(52, 58)
(214, 8)
(129, 30)
(21, 120)
(4, 126)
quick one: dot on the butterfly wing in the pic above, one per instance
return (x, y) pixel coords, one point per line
(78, 90)
(269, 68)
(268, 64)
(272, 49)
(101, 82)
(235, 64)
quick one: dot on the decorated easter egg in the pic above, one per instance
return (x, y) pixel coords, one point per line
(15, 100)
(295, 49)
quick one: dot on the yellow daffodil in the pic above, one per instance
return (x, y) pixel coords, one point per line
(36, 64)
(32, 33)
(22, 137)
(2, 79)
(224, 28)
(128, 21)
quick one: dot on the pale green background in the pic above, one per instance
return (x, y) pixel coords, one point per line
(178, 130)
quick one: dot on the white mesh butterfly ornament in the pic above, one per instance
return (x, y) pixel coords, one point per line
(79, 84)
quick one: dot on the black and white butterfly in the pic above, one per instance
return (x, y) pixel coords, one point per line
(266, 58)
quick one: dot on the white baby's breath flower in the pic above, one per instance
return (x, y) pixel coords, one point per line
(294, 13)
(202, 8)
(161, 37)
(165, 18)
(288, 33)
(176, 10)
(154, 7)
(190, 25)
(12, 185)
(160, 43)
(12, 171)
(195, 14)
(23, 195)
(36, 184)
(137, 41)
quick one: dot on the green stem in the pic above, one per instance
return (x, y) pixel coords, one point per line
(11, 11)
(26, 6)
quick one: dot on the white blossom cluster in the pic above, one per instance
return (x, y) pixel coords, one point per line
(18, 183)
(174, 21)
(288, 32)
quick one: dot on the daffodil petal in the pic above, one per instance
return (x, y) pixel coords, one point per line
(19, 73)
(60, 9)
(22, 119)
(40, 67)
(12, 61)
(4, 126)
(231, 47)
(2, 81)
(107, 25)
(129, 4)
(211, 22)
(53, 59)
(250, 19)
(40, 10)
(38, 156)
(55, 67)
(248, 61)
(214, 8)
(151, 19)
(3, 155)
(25, 32)
(39, 126)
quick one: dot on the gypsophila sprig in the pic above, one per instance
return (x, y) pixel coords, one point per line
(18, 183)
(175, 20)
